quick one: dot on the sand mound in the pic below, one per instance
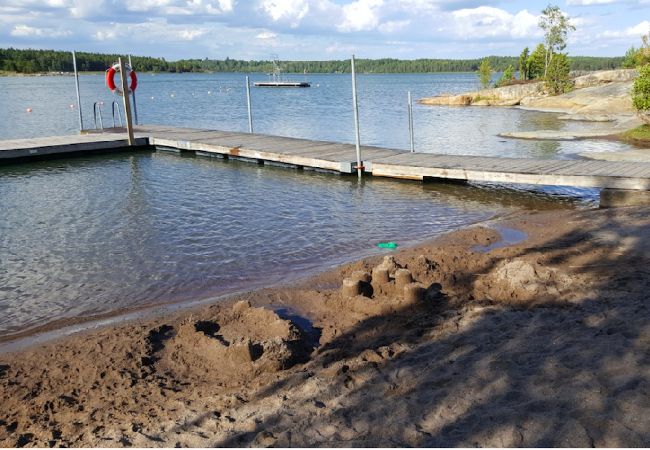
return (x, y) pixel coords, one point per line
(520, 281)
(241, 342)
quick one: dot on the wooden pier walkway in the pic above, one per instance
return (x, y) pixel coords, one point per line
(336, 157)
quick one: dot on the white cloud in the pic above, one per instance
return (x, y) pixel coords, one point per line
(30, 32)
(338, 48)
(266, 35)
(87, 9)
(190, 35)
(637, 30)
(590, 2)
(393, 26)
(361, 15)
(155, 31)
(490, 22)
(289, 11)
(105, 35)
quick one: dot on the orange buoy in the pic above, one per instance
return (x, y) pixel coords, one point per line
(110, 82)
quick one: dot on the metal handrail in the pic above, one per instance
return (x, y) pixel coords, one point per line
(114, 105)
(97, 111)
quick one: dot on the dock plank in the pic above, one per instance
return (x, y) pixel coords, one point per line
(341, 157)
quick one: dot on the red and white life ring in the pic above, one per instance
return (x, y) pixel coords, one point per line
(117, 89)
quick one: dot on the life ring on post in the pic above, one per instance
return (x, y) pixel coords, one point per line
(110, 79)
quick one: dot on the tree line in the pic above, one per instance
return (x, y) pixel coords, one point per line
(36, 61)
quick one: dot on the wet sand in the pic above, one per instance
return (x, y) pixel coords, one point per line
(456, 342)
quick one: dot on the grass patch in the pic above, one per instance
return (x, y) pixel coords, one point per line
(638, 135)
(480, 98)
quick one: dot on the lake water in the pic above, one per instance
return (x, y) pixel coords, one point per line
(86, 236)
(323, 111)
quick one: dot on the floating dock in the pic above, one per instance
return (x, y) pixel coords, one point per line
(301, 84)
(335, 157)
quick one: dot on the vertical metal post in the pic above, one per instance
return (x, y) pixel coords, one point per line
(248, 102)
(355, 106)
(127, 103)
(135, 106)
(410, 108)
(76, 79)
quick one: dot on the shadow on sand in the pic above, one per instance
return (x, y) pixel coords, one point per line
(483, 373)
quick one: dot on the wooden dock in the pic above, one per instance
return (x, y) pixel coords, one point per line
(20, 149)
(341, 158)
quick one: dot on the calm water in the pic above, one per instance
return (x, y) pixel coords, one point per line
(94, 235)
(218, 101)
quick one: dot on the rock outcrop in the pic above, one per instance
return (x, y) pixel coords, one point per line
(597, 94)
(503, 96)
(606, 99)
(603, 77)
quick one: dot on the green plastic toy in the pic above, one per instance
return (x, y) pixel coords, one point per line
(387, 245)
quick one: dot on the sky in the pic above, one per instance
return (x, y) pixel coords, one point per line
(316, 29)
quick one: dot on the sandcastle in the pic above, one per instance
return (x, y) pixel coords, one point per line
(387, 280)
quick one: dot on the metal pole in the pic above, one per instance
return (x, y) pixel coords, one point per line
(76, 79)
(410, 108)
(135, 106)
(127, 103)
(356, 117)
(248, 102)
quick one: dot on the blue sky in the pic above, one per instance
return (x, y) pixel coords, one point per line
(315, 29)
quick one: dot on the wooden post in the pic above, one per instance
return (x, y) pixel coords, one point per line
(127, 104)
(355, 107)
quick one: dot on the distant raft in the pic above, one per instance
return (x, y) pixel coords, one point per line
(301, 84)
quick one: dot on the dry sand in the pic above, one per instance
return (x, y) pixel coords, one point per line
(541, 343)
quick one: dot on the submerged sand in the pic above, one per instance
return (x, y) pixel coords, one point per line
(541, 343)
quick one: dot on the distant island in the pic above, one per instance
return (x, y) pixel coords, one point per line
(31, 61)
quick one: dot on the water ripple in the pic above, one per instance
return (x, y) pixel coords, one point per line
(93, 235)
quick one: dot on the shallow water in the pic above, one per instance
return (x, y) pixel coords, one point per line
(93, 235)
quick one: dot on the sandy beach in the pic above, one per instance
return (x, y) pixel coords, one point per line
(460, 341)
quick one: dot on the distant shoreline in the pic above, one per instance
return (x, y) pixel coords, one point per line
(34, 61)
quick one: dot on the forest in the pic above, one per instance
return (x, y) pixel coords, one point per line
(31, 61)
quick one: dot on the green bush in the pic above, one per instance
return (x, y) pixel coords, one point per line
(506, 77)
(557, 78)
(485, 73)
(535, 63)
(641, 90)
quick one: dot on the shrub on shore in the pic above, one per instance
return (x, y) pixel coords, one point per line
(641, 93)
(557, 79)
(507, 77)
(485, 73)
